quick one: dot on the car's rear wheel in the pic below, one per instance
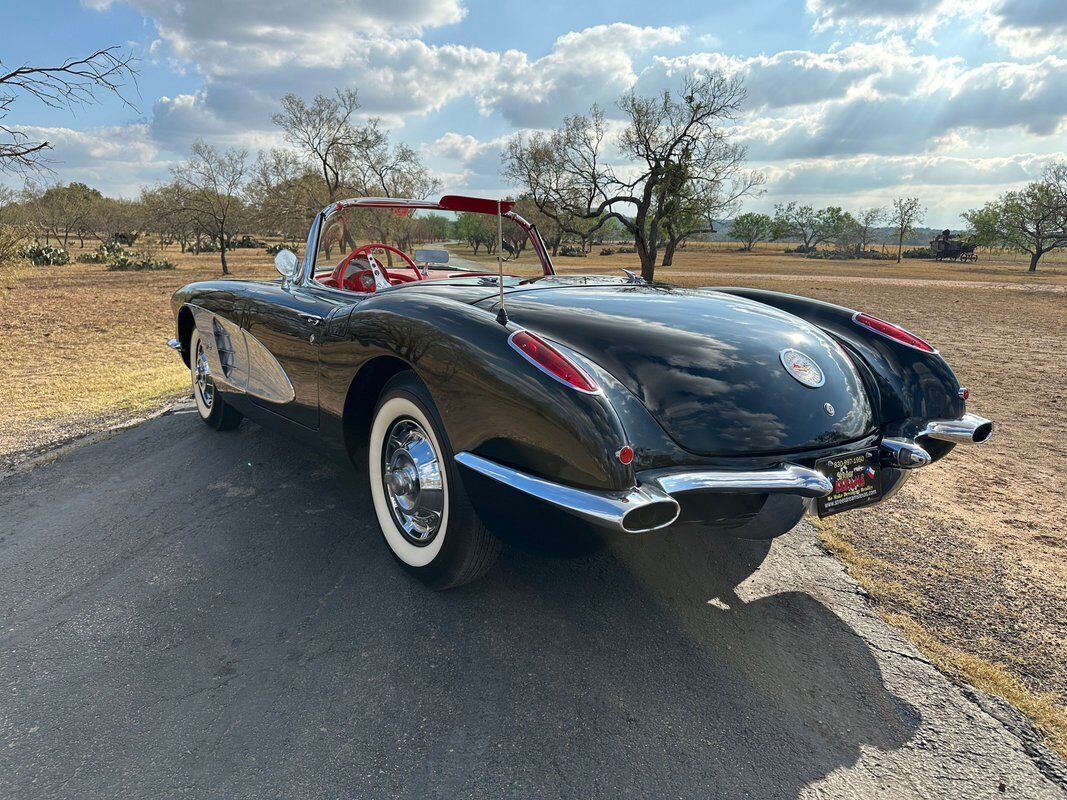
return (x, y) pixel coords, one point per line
(422, 509)
(211, 406)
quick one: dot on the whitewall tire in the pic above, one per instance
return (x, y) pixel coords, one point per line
(210, 405)
(419, 501)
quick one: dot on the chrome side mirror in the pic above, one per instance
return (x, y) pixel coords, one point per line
(285, 262)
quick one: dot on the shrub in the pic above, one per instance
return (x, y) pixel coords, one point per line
(103, 254)
(274, 249)
(45, 256)
(137, 263)
(570, 251)
(245, 242)
(607, 251)
(12, 244)
(844, 255)
(802, 249)
(919, 252)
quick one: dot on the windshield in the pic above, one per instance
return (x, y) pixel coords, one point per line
(440, 244)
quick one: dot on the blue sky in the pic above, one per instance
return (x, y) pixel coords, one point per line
(849, 103)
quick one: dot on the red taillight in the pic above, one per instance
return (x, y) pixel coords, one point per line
(892, 331)
(548, 359)
(625, 454)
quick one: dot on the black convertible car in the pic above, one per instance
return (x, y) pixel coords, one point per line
(489, 398)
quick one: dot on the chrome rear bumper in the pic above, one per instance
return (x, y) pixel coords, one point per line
(651, 505)
(638, 510)
(784, 479)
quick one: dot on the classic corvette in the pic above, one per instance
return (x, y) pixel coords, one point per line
(488, 398)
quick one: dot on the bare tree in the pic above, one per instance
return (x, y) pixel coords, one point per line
(680, 166)
(213, 180)
(323, 133)
(905, 214)
(284, 194)
(74, 83)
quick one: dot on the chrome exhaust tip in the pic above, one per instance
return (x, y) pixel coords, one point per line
(968, 429)
(640, 509)
(651, 515)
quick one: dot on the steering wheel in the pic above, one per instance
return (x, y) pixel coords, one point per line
(338, 274)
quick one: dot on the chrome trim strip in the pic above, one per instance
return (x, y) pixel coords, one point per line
(968, 429)
(785, 479)
(608, 509)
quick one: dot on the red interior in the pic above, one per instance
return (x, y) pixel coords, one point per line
(363, 280)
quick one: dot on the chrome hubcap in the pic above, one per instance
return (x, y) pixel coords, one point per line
(205, 386)
(411, 474)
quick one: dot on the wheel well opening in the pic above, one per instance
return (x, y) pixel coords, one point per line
(185, 331)
(362, 396)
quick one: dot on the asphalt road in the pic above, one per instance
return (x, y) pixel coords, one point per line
(189, 614)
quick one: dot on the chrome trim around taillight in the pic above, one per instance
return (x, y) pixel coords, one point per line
(968, 429)
(638, 510)
(784, 479)
(549, 373)
(933, 351)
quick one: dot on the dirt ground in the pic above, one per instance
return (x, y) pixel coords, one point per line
(973, 550)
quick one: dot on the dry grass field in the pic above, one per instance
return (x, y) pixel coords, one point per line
(971, 558)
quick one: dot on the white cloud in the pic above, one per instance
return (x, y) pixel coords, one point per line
(1021, 27)
(1028, 27)
(997, 96)
(592, 65)
(118, 160)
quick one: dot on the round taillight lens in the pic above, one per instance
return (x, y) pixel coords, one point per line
(891, 331)
(550, 360)
(625, 454)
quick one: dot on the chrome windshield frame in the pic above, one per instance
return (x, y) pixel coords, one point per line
(306, 276)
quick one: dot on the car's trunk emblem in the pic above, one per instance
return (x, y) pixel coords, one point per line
(803, 368)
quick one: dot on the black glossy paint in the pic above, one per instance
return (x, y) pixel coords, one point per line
(707, 365)
(688, 377)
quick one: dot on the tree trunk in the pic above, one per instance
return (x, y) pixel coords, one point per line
(668, 253)
(647, 252)
(900, 245)
(1034, 258)
(222, 251)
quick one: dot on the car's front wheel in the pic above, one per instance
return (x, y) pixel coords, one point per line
(422, 508)
(213, 409)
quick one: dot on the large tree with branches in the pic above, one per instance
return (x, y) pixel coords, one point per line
(74, 83)
(677, 168)
(212, 182)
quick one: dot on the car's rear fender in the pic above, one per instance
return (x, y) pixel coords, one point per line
(910, 386)
(491, 400)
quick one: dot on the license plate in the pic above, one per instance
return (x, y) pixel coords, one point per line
(857, 480)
